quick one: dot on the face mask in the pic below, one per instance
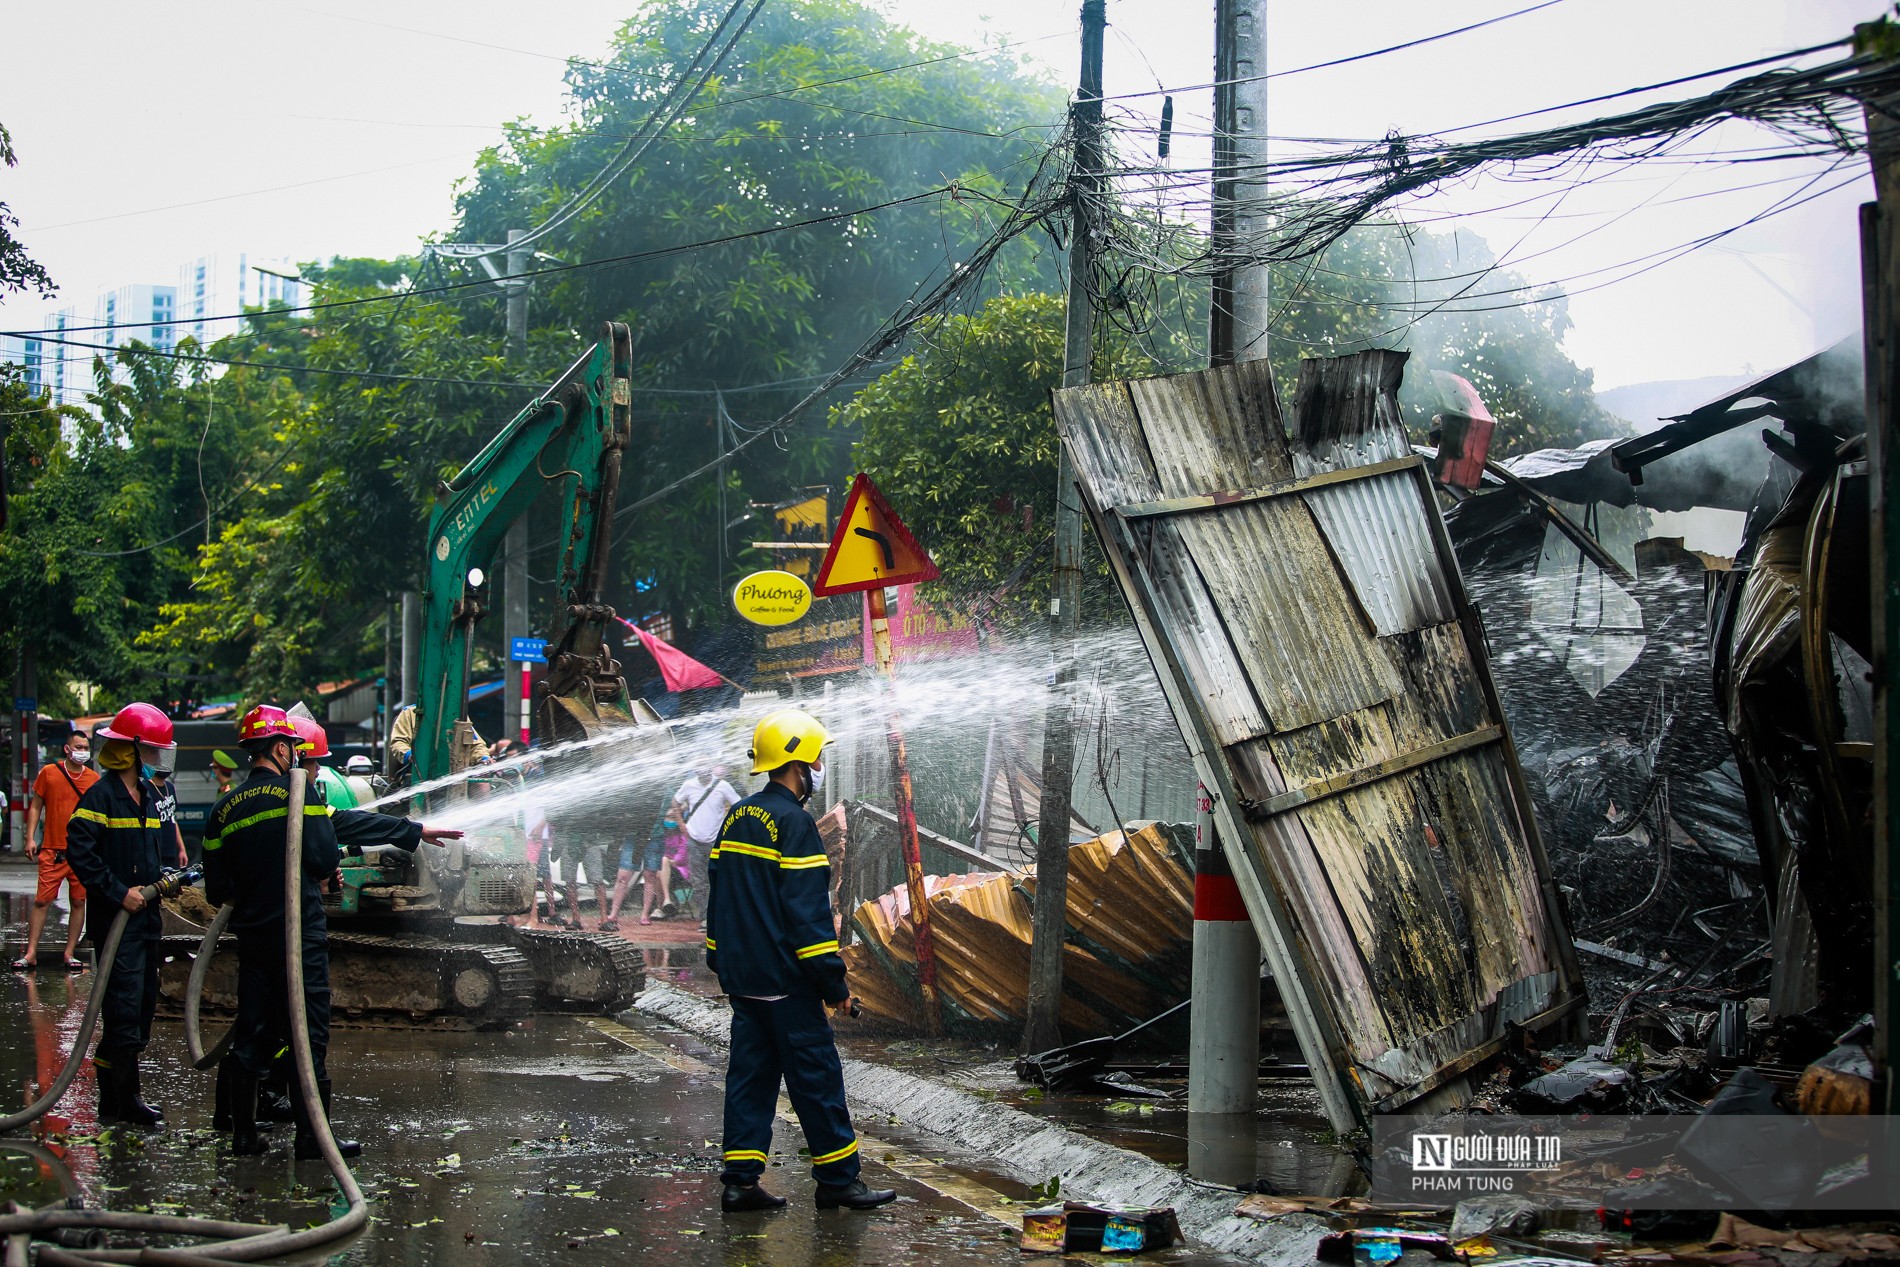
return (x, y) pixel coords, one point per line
(79, 757)
(118, 755)
(147, 770)
(816, 777)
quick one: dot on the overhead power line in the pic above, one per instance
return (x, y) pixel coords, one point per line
(551, 270)
(1337, 61)
(663, 115)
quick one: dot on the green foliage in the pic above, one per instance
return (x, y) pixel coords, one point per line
(960, 435)
(76, 501)
(18, 270)
(806, 121)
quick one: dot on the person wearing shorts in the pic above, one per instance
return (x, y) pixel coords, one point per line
(578, 848)
(56, 792)
(651, 857)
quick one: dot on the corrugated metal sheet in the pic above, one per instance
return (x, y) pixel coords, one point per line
(1110, 454)
(1117, 971)
(1407, 908)
(1308, 654)
(1377, 526)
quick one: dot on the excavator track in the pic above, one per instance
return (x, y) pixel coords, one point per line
(580, 972)
(385, 980)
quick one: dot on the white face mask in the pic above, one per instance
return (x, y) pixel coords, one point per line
(816, 775)
(80, 757)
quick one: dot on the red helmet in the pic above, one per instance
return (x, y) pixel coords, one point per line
(140, 723)
(266, 721)
(311, 739)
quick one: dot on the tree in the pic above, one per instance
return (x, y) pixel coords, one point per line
(18, 271)
(826, 108)
(960, 434)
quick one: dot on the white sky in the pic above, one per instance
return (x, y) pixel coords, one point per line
(151, 134)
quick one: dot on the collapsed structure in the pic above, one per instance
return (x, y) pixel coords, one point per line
(1303, 608)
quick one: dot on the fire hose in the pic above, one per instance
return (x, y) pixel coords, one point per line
(230, 1242)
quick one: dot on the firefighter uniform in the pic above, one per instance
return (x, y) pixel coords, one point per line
(771, 942)
(116, 842)
(244, 843)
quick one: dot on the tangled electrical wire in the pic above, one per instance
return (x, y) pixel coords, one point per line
(1149, 219)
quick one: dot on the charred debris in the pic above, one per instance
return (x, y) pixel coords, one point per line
(1680, 631)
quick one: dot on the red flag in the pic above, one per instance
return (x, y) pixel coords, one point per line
(678, 670)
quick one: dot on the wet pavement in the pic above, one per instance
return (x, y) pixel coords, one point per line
(566, 1139)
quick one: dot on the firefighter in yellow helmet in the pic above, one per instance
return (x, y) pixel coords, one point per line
(771, 942)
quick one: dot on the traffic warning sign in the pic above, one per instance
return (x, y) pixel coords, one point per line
(872, 548)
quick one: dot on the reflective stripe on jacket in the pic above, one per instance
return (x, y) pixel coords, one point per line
(115, 842)
(768, 913)
(245, 836)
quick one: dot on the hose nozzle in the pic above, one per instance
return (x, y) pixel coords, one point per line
(172, 883)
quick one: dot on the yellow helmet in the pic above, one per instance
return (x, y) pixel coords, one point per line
(790, 734)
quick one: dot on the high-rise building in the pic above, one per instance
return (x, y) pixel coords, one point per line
(209, 287)
(232, 282)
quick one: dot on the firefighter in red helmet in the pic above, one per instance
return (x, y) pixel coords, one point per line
(116, 843)
(246, 834)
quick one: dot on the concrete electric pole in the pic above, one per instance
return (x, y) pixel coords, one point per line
(514, 569)
(1238, 315)
(1041, 1030)
(512, 277)
(1224, 1027)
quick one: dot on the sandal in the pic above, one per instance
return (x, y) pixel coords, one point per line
(75, 965)
(23, 964)
(610, 926)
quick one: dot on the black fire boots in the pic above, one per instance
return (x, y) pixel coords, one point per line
(739, 1198)
(241, 1092)
(855, 1196)
(305, 1146)
(117, 1069)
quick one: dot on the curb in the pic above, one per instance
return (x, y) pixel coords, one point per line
(1031, 1149)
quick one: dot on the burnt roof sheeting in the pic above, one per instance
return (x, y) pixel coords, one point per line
(1387, 541)
(1203, 423)
(1399, 888)
(1825, 390)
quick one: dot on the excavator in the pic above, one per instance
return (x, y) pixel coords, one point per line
(424, 937)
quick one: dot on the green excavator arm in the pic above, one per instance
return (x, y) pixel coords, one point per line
(575, 433)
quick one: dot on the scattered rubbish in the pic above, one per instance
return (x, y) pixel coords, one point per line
(1586, 1084)
(1264, 1206)
(1084, 1065)
(1077, 1227)
(1674, 1208)
(1840, 1083)
(1504, 1215)
(1759, 1168)
(1738, 1233)
(1375, 1246)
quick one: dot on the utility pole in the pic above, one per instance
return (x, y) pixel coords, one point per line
(512, 277)
(1880, 279)
(1238, 314)
(1042, 1028)
(514, 568)
(411, 665)
(1224, 1022)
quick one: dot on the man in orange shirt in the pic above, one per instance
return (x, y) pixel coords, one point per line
(56, 792)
